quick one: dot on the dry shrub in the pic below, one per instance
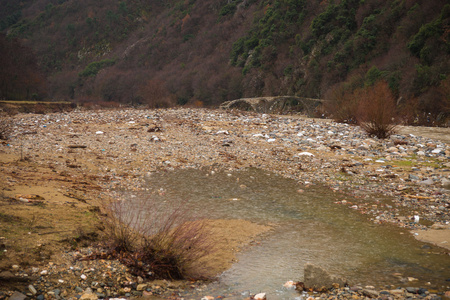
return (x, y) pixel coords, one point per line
(376, 110)
(155, 94)
(343, 105)
(156, 240)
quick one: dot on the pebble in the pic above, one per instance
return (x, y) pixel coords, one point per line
(32, 289)
(260, 296)
(17, 296)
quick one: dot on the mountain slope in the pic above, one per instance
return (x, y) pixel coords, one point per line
(206, 52)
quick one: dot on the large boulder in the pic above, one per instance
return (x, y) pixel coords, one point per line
(319, 279)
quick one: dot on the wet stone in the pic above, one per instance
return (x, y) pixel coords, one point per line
(17, 296)
(412, 290)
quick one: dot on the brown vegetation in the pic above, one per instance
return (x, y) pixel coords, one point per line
(376, 110)
(213, 51)
(156, 241)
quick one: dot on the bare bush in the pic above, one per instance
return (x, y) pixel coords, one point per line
(155, 94)
(157, 241)
(343, 105)
(376, 110)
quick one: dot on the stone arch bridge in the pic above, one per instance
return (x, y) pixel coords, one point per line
(278, 104)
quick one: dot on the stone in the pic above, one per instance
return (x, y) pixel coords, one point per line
(17, 296)
(412, 290)
(89, 296)
(317, 278)
(141, 287)
(439, 226)
(32, 289)
(445, 183)
(437, 151)
(413, 177)
(428, 181)
(397, 292)
(289, 284)
(260, 296)
(392, 149)
(305, 154)
(370, 293)
(208, 298)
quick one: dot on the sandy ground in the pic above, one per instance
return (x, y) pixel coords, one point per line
(438, 237)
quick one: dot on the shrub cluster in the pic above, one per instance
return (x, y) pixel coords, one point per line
(156, 241)
(373, 108)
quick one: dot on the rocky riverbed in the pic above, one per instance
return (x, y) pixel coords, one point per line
(58, 168)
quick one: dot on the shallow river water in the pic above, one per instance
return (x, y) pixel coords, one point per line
(309, 228)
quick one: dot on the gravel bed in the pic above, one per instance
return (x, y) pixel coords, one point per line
(403, 180)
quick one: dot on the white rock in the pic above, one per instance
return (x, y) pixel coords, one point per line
(271, 140)
(437, 150)
(305, 154)
(84, 277)
(289, 284)
(99, 132)
(260, 296)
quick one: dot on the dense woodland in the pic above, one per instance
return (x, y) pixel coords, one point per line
(201, 53)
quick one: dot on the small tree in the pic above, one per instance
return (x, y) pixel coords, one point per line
(376, 110)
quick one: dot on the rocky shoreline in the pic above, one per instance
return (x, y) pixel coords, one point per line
(106, 150)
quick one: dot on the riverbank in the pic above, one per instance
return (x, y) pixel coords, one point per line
(57, 169)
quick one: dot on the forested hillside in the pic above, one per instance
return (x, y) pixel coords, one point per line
(202, 53)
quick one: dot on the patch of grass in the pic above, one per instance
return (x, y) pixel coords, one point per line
(412, 161)
(403, 163)
(343, 176)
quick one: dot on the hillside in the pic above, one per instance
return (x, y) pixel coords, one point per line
(202, 53)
